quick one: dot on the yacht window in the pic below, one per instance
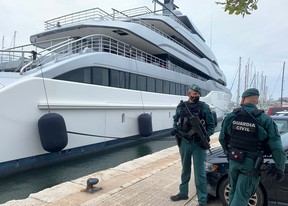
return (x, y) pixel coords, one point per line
(142, 83)
(82, 75)
(114, 78)
(120, 79)
(159, 86)
(172, 88)
(133, 81)
(124, 80)
(151, 84)
(166, 89)
(183, 89)
(178, 91)
(100, 76)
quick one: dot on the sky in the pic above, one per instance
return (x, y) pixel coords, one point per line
(260, 39)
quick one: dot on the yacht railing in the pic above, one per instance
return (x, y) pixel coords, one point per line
(130, 13)
(81, 16)
(12, 59)
(102, 43)
(127, 15)
(99, 14)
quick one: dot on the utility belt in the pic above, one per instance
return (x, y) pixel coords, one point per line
(240, 156)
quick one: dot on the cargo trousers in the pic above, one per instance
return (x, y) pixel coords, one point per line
(189, 150)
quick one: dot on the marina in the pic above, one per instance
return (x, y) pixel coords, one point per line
(94, 80)
(148, 180)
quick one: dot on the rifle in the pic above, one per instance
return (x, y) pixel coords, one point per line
(198, 128)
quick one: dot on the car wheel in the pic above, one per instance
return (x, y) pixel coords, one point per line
(256, 200)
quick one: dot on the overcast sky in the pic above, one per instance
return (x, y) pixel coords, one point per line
(261, 39)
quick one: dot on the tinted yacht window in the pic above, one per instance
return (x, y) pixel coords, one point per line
(178, 91)
(124, 80)
(183, 89)
(82, 75)
(142, 83)
(151, 84)
(172, 88)
(159, 86)
(100, 76)
(166, 88)
(133, 81)
(114, 78)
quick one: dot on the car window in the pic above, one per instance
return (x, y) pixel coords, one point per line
(282, 125)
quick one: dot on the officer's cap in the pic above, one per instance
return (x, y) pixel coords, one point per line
(195, 88)
(250, 92)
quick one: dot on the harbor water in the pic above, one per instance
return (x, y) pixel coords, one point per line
(19, 186)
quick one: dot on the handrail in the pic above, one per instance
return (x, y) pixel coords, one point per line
(103, 43)
(99, 14)
(126, 15)
(50, 50)
(94, 13)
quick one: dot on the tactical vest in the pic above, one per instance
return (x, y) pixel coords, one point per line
(195, 109)
(244, 131)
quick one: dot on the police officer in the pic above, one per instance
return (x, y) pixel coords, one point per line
(242, 138)
(190, 146)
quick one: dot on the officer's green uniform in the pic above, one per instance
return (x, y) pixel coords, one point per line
(191, 148)
(244, 184)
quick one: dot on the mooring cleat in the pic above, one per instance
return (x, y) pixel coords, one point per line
(90, 185)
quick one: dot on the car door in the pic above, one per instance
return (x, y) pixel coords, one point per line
(281, 190)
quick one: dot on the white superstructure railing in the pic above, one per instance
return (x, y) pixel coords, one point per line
(100, 43)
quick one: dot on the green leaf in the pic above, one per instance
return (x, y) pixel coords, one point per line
(231, 11)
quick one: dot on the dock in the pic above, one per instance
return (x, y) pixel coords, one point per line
(146, 181)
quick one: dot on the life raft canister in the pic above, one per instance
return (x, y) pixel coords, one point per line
(52, 131)
(145, 125)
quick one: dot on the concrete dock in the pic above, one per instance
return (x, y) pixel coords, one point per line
(146, 181)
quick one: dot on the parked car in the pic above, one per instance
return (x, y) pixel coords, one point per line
(272, 110)
(269, 192)
(281, 122)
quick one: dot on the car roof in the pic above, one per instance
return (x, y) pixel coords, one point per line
(282, 112)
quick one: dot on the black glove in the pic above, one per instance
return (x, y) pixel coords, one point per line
(279, 174)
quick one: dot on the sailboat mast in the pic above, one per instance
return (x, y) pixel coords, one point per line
(239, 75)
(3, 42)
(282, 84)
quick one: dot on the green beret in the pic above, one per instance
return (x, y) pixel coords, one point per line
(250, 92)
(196, 88)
